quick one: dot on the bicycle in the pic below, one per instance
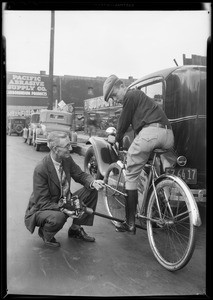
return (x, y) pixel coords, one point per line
(167, 206)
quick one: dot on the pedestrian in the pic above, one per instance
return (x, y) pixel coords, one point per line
(151, 130)
(91, 123)
(51, 183)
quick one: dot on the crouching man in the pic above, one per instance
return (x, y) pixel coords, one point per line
(51, 184)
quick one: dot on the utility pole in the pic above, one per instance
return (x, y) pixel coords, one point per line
(52, 31)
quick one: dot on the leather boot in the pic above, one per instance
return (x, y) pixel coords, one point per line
(130, 208)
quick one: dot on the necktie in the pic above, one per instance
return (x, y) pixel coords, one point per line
(65, 187)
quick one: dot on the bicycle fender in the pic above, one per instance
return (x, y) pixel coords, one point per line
(195, 212)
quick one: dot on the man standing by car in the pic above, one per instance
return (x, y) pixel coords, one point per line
(51, 182)
(152, 130)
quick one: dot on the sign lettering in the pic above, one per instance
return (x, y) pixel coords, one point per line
(97, 103)
(24, 85)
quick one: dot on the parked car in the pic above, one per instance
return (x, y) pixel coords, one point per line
(29, 131)
(51, 120)
(181, 93)
(15, 124)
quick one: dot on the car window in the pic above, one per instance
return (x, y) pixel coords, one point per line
(18, 121)
(56, 117)
(60, 117)
(153, 89)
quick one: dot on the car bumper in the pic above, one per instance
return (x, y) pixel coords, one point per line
(199, 195)
(41, 140)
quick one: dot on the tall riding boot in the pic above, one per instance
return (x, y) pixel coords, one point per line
(131, 204)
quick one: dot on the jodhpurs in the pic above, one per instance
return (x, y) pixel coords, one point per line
(142, 146)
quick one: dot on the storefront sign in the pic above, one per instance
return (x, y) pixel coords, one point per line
(21, 85)
(23, 110)
(97, 103)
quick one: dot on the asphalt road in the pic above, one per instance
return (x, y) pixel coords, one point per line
(117, 264)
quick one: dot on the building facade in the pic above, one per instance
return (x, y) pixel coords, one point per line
(29, 92)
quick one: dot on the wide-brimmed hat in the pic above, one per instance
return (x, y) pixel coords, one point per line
(108, 86)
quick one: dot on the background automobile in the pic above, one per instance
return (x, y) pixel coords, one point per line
(15, 124)
(51, 120)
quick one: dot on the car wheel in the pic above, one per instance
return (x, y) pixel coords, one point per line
(91, 165)
(37, 147)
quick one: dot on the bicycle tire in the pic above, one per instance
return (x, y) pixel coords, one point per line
(115, 202)
(172, 238)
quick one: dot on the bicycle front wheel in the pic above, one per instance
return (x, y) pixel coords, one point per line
(115, 201)
(170, 228)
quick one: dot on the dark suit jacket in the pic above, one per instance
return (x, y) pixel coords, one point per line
(46, 187)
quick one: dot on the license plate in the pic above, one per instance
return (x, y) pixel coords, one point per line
(187, 174)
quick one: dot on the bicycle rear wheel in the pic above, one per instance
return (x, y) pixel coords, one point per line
(114, 201)
(172, 234)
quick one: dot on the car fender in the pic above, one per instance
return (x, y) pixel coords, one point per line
(103, 153)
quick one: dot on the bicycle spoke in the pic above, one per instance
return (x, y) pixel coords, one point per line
(116, 197)
(173, 239)
(182, 214)
(180, 236)
(173, 246)
(115, 193)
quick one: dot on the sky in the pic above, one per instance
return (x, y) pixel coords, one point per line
(101, 43)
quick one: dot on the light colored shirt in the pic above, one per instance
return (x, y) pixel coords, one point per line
(57, 167)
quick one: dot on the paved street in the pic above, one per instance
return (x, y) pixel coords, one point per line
(117, 264)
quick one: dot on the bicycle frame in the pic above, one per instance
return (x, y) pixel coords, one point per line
(166, 209)
(153, 179)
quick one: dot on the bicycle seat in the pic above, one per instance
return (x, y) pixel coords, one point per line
(160, 151)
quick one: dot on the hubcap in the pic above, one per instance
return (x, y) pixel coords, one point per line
(92, 167)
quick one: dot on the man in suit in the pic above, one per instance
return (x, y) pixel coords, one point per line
(43, 209)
